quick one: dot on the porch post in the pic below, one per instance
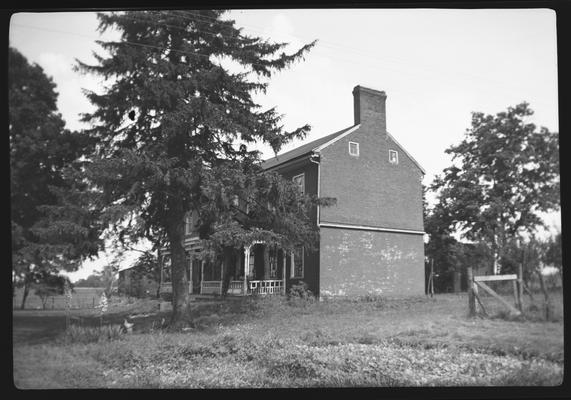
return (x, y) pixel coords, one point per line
(284, 271)
(190, 283)
(160, 257)
(246, 267)
(201, 275)
(221, 277)
(266, 262)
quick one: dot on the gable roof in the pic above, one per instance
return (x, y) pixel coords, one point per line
(321, 143)
(303, 149)
(407, 153)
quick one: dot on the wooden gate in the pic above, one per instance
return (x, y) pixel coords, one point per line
(476, 282)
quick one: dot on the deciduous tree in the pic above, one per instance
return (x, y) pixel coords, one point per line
(48, 232)
(506, 172)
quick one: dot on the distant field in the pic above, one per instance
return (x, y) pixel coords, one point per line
(81, 298)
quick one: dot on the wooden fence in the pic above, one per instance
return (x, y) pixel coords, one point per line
(475, 304)
(82, 298)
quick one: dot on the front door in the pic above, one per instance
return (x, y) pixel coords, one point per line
(196, 275)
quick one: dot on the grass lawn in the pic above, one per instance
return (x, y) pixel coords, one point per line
(271, 342)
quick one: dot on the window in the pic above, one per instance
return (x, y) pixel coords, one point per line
(354, 149)
(235, 200)
(299, 180)
(166, 269)
(251, 264)
(297, 263)
(188, 224)
(273, 263)
(393, 157)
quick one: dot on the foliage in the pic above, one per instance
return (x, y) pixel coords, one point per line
(300, 294)
(506, 172)
(553, 252)
(47, 284)
(144, 275)
(92, 281)
(47, 231)
(442, 249)
(108, 277)
(173, 119)
(92, 334)
(447, 255)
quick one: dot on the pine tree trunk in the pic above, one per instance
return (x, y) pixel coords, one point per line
(175, 233)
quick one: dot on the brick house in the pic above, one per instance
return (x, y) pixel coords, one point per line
(371, 241)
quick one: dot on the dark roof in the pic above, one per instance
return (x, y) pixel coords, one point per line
(300, 151)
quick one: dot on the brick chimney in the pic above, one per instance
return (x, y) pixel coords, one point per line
(369, 107)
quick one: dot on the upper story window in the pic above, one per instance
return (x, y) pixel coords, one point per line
(299, 180)
(188, 224)
(393, 157)
(235, 200)
(354, 149)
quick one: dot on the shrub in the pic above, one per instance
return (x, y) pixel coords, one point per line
(376, 299)
(91, 334)
(300, 295)
(300, 290)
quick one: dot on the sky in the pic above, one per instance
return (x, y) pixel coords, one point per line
(436, 66)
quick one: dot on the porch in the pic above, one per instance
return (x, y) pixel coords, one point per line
(257, 269)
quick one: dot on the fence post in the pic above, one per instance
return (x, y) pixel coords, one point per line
(471, 297)
(432, 277)
(520, 287)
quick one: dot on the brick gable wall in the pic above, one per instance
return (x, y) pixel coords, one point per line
(369, 189)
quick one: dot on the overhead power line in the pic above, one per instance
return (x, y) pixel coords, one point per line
(400, 67)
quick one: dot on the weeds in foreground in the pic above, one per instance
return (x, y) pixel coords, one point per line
(91, 334)
(263, 342)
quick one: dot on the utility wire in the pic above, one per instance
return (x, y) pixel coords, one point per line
(120, 42)
(423, 73)
(401, 62)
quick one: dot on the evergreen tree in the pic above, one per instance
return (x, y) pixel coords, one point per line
(48, 233)
(173, 120)
(553, 253)
(507, 172)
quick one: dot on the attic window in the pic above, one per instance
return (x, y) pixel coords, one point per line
(393, 157)
(299, 180)
(354, 149)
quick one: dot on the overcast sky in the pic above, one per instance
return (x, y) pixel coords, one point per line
(436, 67)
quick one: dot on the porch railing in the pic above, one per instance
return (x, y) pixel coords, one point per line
(272, 286)
(211, 287)
(267, 286)
(236, 287)
(166, 287)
